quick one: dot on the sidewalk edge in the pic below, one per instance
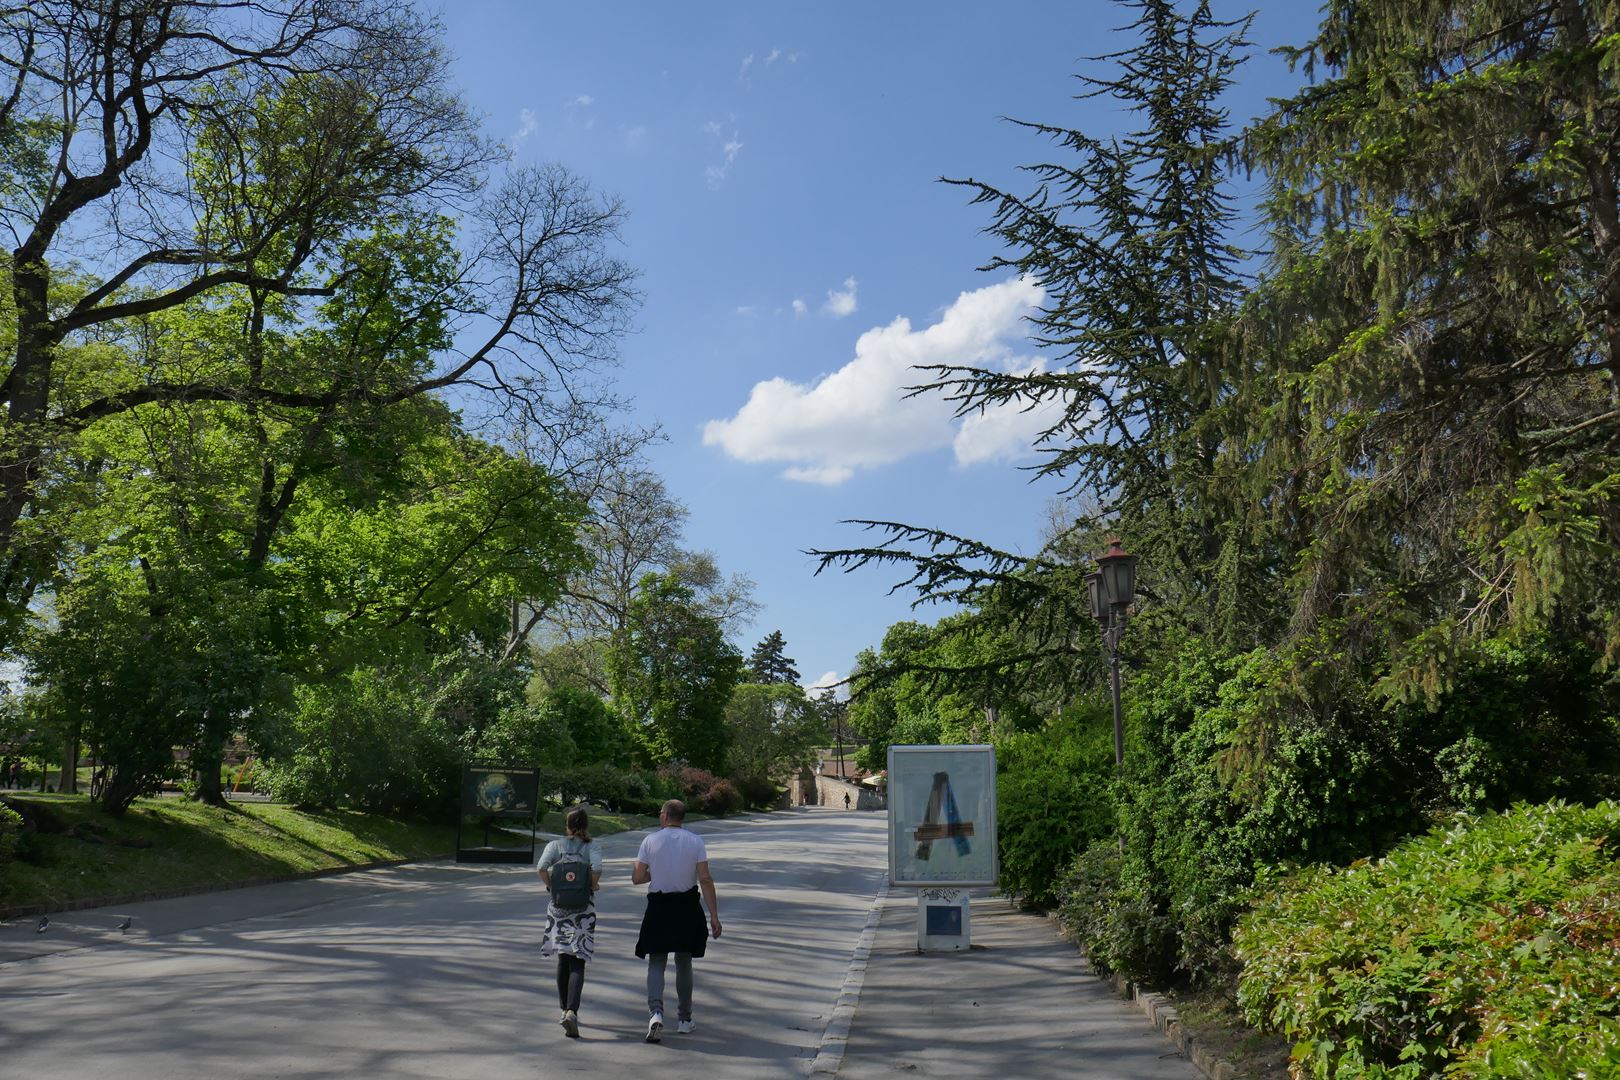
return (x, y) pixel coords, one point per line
(835, 1039)
(1157, 1008)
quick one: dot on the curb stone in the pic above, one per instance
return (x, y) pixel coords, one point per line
(835, 1040)
(1163, 1016)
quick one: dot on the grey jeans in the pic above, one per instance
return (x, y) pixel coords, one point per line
(683, 983)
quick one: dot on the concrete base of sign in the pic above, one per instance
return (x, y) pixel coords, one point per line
(942, 920)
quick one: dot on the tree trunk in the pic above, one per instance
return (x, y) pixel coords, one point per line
(119, 792)
(205, 764)
(70, 762)
(27, 392)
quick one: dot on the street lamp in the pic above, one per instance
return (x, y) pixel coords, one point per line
(1110, 590)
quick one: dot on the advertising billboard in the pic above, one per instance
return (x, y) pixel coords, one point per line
(942, 815)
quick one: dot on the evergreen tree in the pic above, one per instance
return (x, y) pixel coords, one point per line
(1129, 238)
(768, 664)
(1436, 404)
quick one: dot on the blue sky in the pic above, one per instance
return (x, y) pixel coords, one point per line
(780, 163)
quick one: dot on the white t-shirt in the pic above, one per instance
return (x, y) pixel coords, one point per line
(671, 856)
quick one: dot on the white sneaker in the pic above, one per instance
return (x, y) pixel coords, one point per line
(686, 1027)
(655, 1027)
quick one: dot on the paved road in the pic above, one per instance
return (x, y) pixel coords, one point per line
(431, 971)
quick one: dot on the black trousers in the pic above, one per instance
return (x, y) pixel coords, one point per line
(570, 980)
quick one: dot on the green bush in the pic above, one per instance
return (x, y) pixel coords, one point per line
(524, 734)
(11, 824)
(1489, 948)
(1117, 930)
(1054, 795)
(1201, 810)
(1235, 762)
(369, 740)
(757, 793)
(630, 790)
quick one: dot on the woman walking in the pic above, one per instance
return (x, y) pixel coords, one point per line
(571, 869)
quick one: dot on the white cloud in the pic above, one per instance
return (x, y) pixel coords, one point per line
(635, 135)
(860, 417)
(527, 123)
(841, 302)
(827, 475)
(1005, 433)
(773, 57)
(742, 73)
(826, 680)
(729, 149)
(745, 309)
(799, 306)
(578, 111)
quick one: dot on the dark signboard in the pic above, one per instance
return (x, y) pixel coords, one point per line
(498, 803)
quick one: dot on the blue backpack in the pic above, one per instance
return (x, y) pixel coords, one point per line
(571, 880)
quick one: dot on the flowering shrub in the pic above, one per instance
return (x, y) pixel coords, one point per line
(703, 791)
(1486, 949)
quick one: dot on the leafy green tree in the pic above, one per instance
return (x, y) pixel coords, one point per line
(772, 729)
(322, 143)
(143, 660)
(597, 734)
(673, 671)
(633, 529)
(769, 662)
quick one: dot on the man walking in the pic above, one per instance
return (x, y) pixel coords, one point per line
(674, 865)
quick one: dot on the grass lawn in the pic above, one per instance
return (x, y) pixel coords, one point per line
(166, 844)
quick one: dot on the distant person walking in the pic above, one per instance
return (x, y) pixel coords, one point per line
(674, 865)
(571, 869)
(846, 800)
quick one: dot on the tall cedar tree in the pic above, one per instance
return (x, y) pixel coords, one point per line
(1129, 239)
(769, 664)
(1437, 413)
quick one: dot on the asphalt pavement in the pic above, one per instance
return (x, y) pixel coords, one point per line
(431, 970)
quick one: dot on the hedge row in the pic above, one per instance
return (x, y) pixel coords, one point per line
(1487, 949)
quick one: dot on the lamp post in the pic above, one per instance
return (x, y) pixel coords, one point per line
(1110, 590)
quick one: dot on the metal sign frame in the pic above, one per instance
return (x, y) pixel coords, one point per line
(942, 799)
(492, 793)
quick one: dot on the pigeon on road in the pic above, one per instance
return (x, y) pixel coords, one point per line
(44, 922)
(125, 924)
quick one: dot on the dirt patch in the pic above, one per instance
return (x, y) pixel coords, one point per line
(1212, 1017)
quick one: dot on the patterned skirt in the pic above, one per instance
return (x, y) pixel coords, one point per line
(570, 932)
